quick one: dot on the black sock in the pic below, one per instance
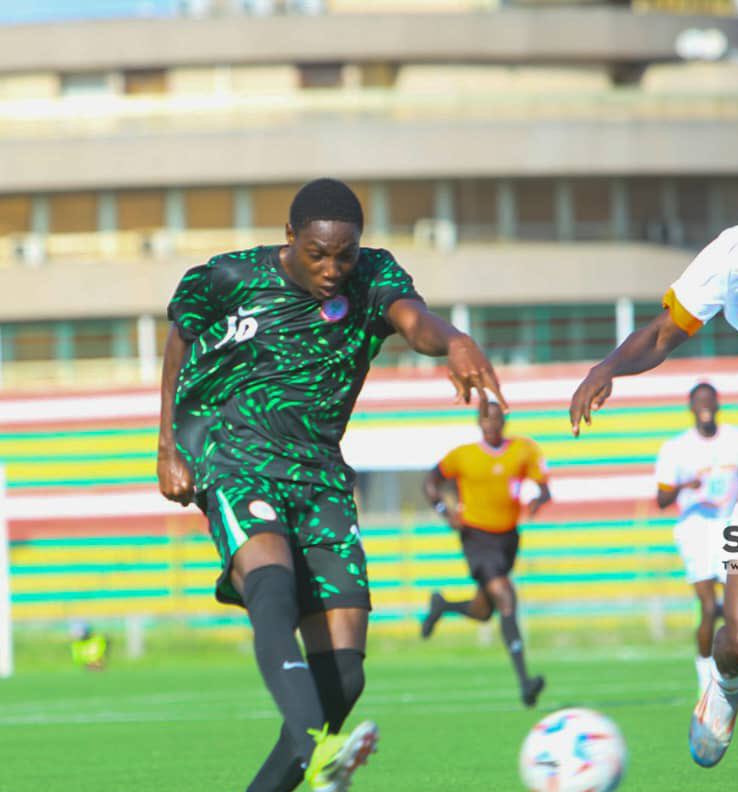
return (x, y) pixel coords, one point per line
(339, 677)
(461, 607)
(282, 771)
(269, 593)
(464, 607)
(514, 643)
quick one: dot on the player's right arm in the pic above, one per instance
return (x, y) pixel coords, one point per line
(175, 479)
(433, 489)
(641, 351)
(196, 305)
(697, 295)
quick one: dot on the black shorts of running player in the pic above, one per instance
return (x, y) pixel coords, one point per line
(489, 555)
(319, 523)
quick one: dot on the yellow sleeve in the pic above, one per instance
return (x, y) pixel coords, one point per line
(536, 470)
(450, 465)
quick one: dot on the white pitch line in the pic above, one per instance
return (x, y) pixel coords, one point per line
(477, 699)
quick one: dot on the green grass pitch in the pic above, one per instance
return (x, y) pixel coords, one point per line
(448, 713)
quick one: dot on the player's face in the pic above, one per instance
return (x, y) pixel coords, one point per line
(321, 256)
(492, 425)
(704, 407)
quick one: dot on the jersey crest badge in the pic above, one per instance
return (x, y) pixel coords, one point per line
(262, 510)
(335, 309)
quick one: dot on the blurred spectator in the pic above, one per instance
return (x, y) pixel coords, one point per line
(89, 649)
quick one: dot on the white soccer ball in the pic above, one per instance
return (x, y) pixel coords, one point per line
(573, 750)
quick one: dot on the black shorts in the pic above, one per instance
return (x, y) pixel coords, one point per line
(489, 555)
(319, 523)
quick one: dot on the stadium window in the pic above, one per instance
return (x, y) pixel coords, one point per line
(140, 210)
(320, 75)
(98, 339)
(271, 204)
(73, 213)
(647, 221)
(521, 334)
(31, 341)
(15, 214)
(535, 199)
(142, 82)
(378, 75)
(693, 202)
(86, 84)
(581, 332)
(729, 200)
(162, 333)
(592, 215)
(476, 209)
(410, 201)
(209, 207)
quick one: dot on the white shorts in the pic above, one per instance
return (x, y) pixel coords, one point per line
(699, 541)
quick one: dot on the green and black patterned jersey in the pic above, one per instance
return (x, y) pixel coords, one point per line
(272, 374)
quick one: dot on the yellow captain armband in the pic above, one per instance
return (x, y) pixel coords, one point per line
(681, 317)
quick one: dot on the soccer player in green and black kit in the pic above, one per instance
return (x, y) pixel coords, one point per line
(266, 356)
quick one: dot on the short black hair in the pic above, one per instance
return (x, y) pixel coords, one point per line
(325, 199)
(493, 403)
(700, 386)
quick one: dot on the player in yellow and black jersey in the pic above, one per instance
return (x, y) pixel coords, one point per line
(487, 476)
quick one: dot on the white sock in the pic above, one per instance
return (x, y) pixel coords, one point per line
(727, 683)
(704, 671)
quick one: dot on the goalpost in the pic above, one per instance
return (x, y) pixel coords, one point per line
(6, 631)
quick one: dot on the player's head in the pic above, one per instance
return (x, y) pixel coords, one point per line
(704, 404)
(323, 234)
(492, 424)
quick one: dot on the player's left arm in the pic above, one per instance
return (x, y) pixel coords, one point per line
(429, 334)
(543, 498)
(538, 472)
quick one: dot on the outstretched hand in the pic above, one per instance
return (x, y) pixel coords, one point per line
(591, 394)
(470, 370)
(175, 479)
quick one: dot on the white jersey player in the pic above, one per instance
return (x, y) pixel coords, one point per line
(708, 285)
(698, 470)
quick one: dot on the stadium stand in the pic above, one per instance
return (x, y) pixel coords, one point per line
(544, 173)
(602, 549)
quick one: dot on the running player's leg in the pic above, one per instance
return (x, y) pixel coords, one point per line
(713, 720)
(693, 540)
(497, 554)
(479, 608)
(705, 590)
(503, 593)
(725, 648)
